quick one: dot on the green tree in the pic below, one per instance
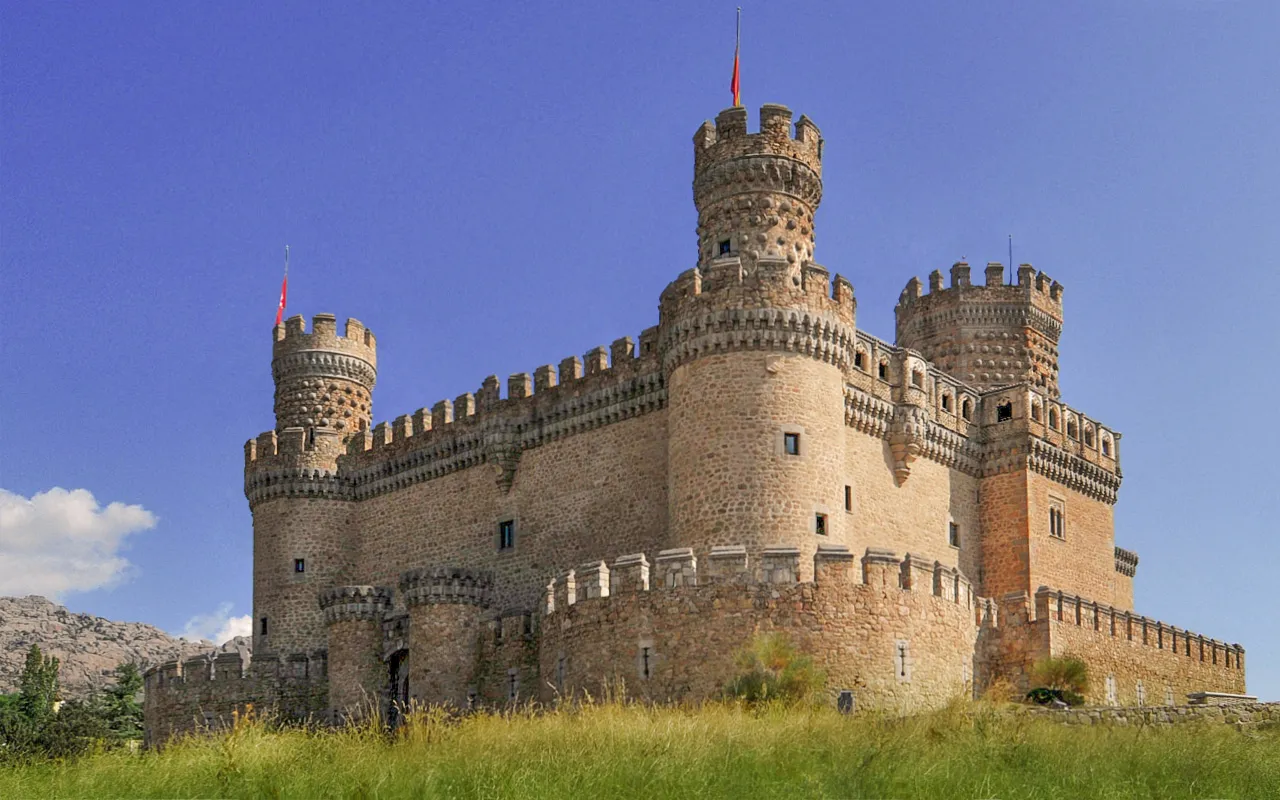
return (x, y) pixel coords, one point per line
(118, 706)
(38, 686)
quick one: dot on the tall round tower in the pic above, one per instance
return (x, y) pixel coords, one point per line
(755, 341)
(301, 509)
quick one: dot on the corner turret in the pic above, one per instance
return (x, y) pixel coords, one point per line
(988, 336)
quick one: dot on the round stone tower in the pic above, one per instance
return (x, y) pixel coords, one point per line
(324, 380)
(756, 194)
(301, 511)
(987, 336)
(755, 342)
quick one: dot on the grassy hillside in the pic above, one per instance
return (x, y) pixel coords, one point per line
(609, 751)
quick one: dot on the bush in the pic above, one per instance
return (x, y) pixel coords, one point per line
(771, 670)
(1064, 678)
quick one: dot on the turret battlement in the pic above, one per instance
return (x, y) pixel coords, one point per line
(452, 585)
(722, 307)
(990, 335)
(356, 339)
(728, 138)
(1035, 287)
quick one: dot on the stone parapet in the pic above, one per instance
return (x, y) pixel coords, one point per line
(779, 565)
(348, 603)
(448, 585)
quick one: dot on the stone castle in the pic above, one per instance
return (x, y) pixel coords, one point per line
(923, 518)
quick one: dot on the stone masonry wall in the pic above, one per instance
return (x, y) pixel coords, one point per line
(913, 516)
(1130, 648)
(1083, 562)
(200, 694)
(572, 499)
(852, 624)
(1122, 650)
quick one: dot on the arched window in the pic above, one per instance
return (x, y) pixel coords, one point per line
(1106, 445)
(917, 379)
(946, 402)
(966, 409)
(1035, 411)
(884, 370)
(860, 360)
(1088, 435)
(1053, 418)
(1072, 431)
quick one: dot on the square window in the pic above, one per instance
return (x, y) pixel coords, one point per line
(848, 498)
(791, 443)
(820, 524)
(262, 626)
(506, 534)
(299, 565)
(953, 535)
(725, 246)
(1004, 412)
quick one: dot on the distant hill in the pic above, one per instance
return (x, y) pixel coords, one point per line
(89, 647)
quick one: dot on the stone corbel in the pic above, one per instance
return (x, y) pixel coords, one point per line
(502, 452)
(907, 439)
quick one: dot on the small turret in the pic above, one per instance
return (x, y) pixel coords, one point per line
(987, 336)
(324, 381)
(756, 193)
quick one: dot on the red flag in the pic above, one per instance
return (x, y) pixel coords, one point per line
(284, 287)
(733, 84)
(737, 43)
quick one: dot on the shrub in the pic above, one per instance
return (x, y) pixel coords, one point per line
(770, 669)
(1064, 678)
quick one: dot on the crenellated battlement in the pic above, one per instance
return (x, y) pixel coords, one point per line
(776, 567)
(1063, 608)
(355, 603)
(356, 340)
(723, 307)
(454, 585)
(604, 386)
(990, 335)
(727, 138)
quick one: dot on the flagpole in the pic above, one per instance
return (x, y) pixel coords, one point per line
(284, 287)
(737, 46)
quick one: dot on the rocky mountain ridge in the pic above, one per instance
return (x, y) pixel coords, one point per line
(89, 647)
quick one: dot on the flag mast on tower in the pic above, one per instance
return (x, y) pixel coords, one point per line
(737, 45)
(284, 287)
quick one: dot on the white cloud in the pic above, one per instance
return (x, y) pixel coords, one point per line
(218, 626)
(62, 541)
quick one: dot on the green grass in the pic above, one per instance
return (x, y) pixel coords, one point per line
(613, 750)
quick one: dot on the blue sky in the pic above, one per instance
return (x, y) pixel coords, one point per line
(491, 188)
